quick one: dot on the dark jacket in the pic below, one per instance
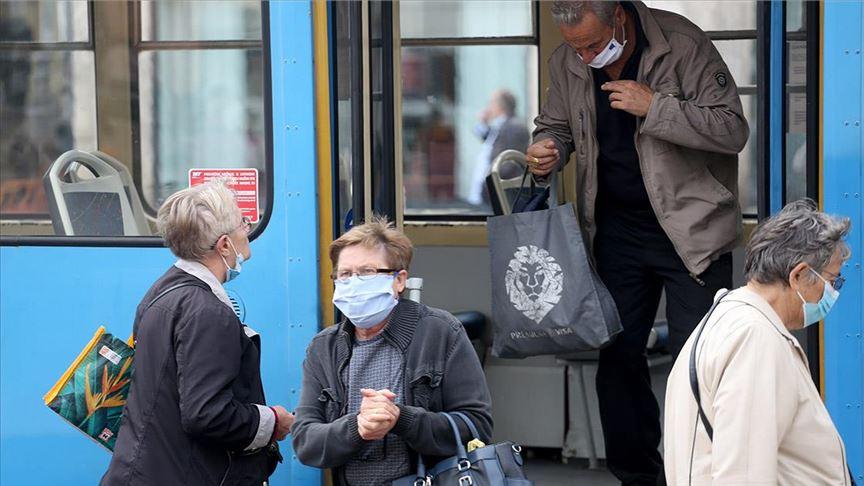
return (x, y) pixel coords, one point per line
(442, 373)
(191, 402)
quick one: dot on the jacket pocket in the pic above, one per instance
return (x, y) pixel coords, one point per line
(331, 403)
(726, 198)
(425, 390)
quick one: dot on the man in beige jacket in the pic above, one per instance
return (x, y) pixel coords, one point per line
(649, 111)
(764, 421)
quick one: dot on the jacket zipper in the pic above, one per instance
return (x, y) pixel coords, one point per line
(592, 154)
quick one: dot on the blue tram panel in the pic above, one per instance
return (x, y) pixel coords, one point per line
(843, 190)
(54, 297)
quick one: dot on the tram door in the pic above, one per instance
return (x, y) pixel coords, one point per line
(451, 62)
(172, 91)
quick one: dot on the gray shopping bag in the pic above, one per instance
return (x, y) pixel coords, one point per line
(546, 296)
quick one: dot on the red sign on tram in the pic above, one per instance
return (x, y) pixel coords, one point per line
(242, 182)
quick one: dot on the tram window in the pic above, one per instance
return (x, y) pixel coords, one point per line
(45, 22)
(458, 18)
(714, 15)
(200, 20)
(212, 117)
(47, 98)
(162, 87)
(459, 58)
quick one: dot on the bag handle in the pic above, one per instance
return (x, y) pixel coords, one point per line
(461, 453)
(694, 378)
(469, 423)
(463, 465)
(522, 186)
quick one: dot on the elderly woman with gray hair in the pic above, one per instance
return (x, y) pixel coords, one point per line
(196, 413)
(741, 406)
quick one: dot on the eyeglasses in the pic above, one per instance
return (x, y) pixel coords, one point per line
(837, 280)
(245, 225)
(366, 273)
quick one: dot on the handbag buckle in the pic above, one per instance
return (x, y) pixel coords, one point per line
(516, 448)
(465, 481)
(463, 465)
(423, 481)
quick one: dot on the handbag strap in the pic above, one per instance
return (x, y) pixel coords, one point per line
(469, 423)
(694, 377)
(163, 294)
(461, 453)
(521, 187)
(173, 288)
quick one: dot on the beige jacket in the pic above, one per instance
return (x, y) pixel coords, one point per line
(687, 144)
(770, 425)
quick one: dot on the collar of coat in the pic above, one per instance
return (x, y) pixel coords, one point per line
(657, 46)
(398, 332)
(747, 296)
(204, 274)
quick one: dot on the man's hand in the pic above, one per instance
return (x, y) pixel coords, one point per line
(378, 414)
(542, 157)
(285, 420)
(630, 96)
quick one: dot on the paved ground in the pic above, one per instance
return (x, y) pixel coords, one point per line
(546, 469)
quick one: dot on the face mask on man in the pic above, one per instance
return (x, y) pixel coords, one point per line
(611, 53)
(365, 302)
(238, 266)
(814, 313)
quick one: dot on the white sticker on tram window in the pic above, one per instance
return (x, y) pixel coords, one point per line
(242, 182)
(111, 356)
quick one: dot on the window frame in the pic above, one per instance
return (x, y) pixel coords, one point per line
(135, 47)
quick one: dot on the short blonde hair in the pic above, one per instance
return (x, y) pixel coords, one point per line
(377, 233)
(191, 220)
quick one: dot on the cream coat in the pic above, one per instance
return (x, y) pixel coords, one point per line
(770, 425)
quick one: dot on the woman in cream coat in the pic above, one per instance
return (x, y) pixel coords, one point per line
(769, 423)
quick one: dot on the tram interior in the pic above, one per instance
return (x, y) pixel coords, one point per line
(455, 59)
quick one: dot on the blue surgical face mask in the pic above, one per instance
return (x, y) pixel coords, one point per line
(238, 266)
(814, 313)
(365, 302)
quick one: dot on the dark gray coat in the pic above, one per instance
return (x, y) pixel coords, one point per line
(442, 373)
(190, 404)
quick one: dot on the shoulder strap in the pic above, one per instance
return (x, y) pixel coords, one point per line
(175, 287)
(132, 341)
(694, 378)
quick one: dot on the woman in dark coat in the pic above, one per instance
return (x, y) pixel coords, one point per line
(196, 412)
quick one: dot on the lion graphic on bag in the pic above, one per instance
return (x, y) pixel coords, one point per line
(534, 282)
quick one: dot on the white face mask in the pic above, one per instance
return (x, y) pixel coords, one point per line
(365, 302)
(611, 53)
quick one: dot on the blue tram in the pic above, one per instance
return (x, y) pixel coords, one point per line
(344, 109)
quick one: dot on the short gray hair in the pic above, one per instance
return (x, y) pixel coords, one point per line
(798, 233)
(191, 220)
(572, 12)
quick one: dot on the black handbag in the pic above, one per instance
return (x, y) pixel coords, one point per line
(493, 465)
